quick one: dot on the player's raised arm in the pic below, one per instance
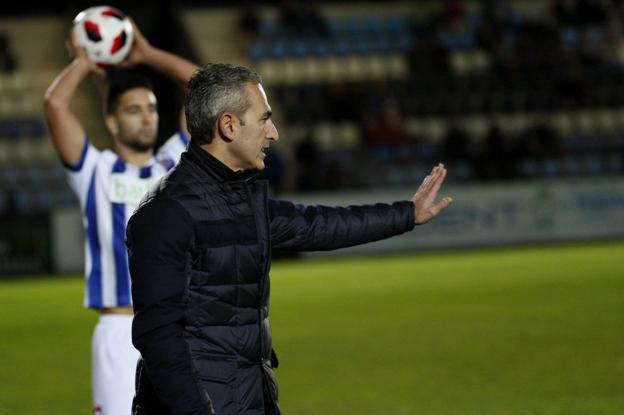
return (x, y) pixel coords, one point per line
(67, 132)
(172, 65)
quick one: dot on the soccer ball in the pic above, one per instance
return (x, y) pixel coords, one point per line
(105, 33)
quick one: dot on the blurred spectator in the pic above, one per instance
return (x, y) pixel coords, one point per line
(494, 160)
(591, 12)
(302, 19)
(492, 25)
(428, 57)
(565, 12)
(307, 159)
(455, 145)
(8, 62)
(537, 58)
(342, 103)
(455, 14)
(334, 176)
(539, 142)
(249, 21)
(538, 46)
(570, 89)
(388, 127)
(274, 171)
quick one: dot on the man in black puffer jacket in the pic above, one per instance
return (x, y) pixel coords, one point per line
(199, 254)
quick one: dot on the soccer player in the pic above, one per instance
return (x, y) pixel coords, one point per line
(109, 184)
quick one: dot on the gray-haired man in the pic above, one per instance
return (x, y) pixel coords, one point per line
(199, 250)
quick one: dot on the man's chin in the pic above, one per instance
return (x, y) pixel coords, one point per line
(140, 147)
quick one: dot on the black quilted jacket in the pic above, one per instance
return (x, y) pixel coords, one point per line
(199, 256)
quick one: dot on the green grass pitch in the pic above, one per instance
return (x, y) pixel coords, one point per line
(515, 331)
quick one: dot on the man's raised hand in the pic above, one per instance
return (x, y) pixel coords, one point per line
(425, 205)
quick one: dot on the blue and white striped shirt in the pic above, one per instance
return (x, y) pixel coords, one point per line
(109, 191)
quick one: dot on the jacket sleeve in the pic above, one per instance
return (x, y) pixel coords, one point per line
(320, 228)
(159, 238)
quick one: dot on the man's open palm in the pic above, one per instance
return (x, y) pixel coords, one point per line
(424, 199)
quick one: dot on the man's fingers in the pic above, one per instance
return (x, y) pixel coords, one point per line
(425, 183)
(429, 179)
(441, 205)
(430, 189)
(100, 72)
(435, 186)
(444, 203)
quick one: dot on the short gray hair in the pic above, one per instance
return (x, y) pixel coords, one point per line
(212, 91)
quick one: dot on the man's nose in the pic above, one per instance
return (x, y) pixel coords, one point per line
(272, 133)
(147, 117)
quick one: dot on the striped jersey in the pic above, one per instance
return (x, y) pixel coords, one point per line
(109, 191)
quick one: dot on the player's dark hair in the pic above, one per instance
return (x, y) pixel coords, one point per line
(212, 91)
(122, 83)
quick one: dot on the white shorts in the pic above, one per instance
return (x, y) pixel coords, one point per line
(113, 365)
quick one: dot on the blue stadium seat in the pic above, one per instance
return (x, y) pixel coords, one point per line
(279, 49)
(23, 201)
(569, 37)
(319, 47)
(257, 51)
(463, 40)
(300, 48)
(475, 18)
(595, 34)
(372, 25)
(9, 178)
(33, 176)
(43, 201)
(593, 164)
(333, 26)
(35, 127)
(269, 29)
(362, 45)
(516, 18)
(382, 44)
(403, 43)
(10, 129)
(352, 26)
(529, 168)
(395, 24)
(341, 46)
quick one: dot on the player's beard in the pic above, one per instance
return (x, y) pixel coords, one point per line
(138, 145)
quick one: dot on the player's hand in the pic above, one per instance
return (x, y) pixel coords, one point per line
(424, 200)
(140, 48)
(78, 53)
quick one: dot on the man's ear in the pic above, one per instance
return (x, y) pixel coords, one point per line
(112, 125)
(228, 126)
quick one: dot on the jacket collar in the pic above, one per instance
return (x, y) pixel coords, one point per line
(216, 168)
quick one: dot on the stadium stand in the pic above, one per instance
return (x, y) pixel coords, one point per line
(531, 70)
(512, 79)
